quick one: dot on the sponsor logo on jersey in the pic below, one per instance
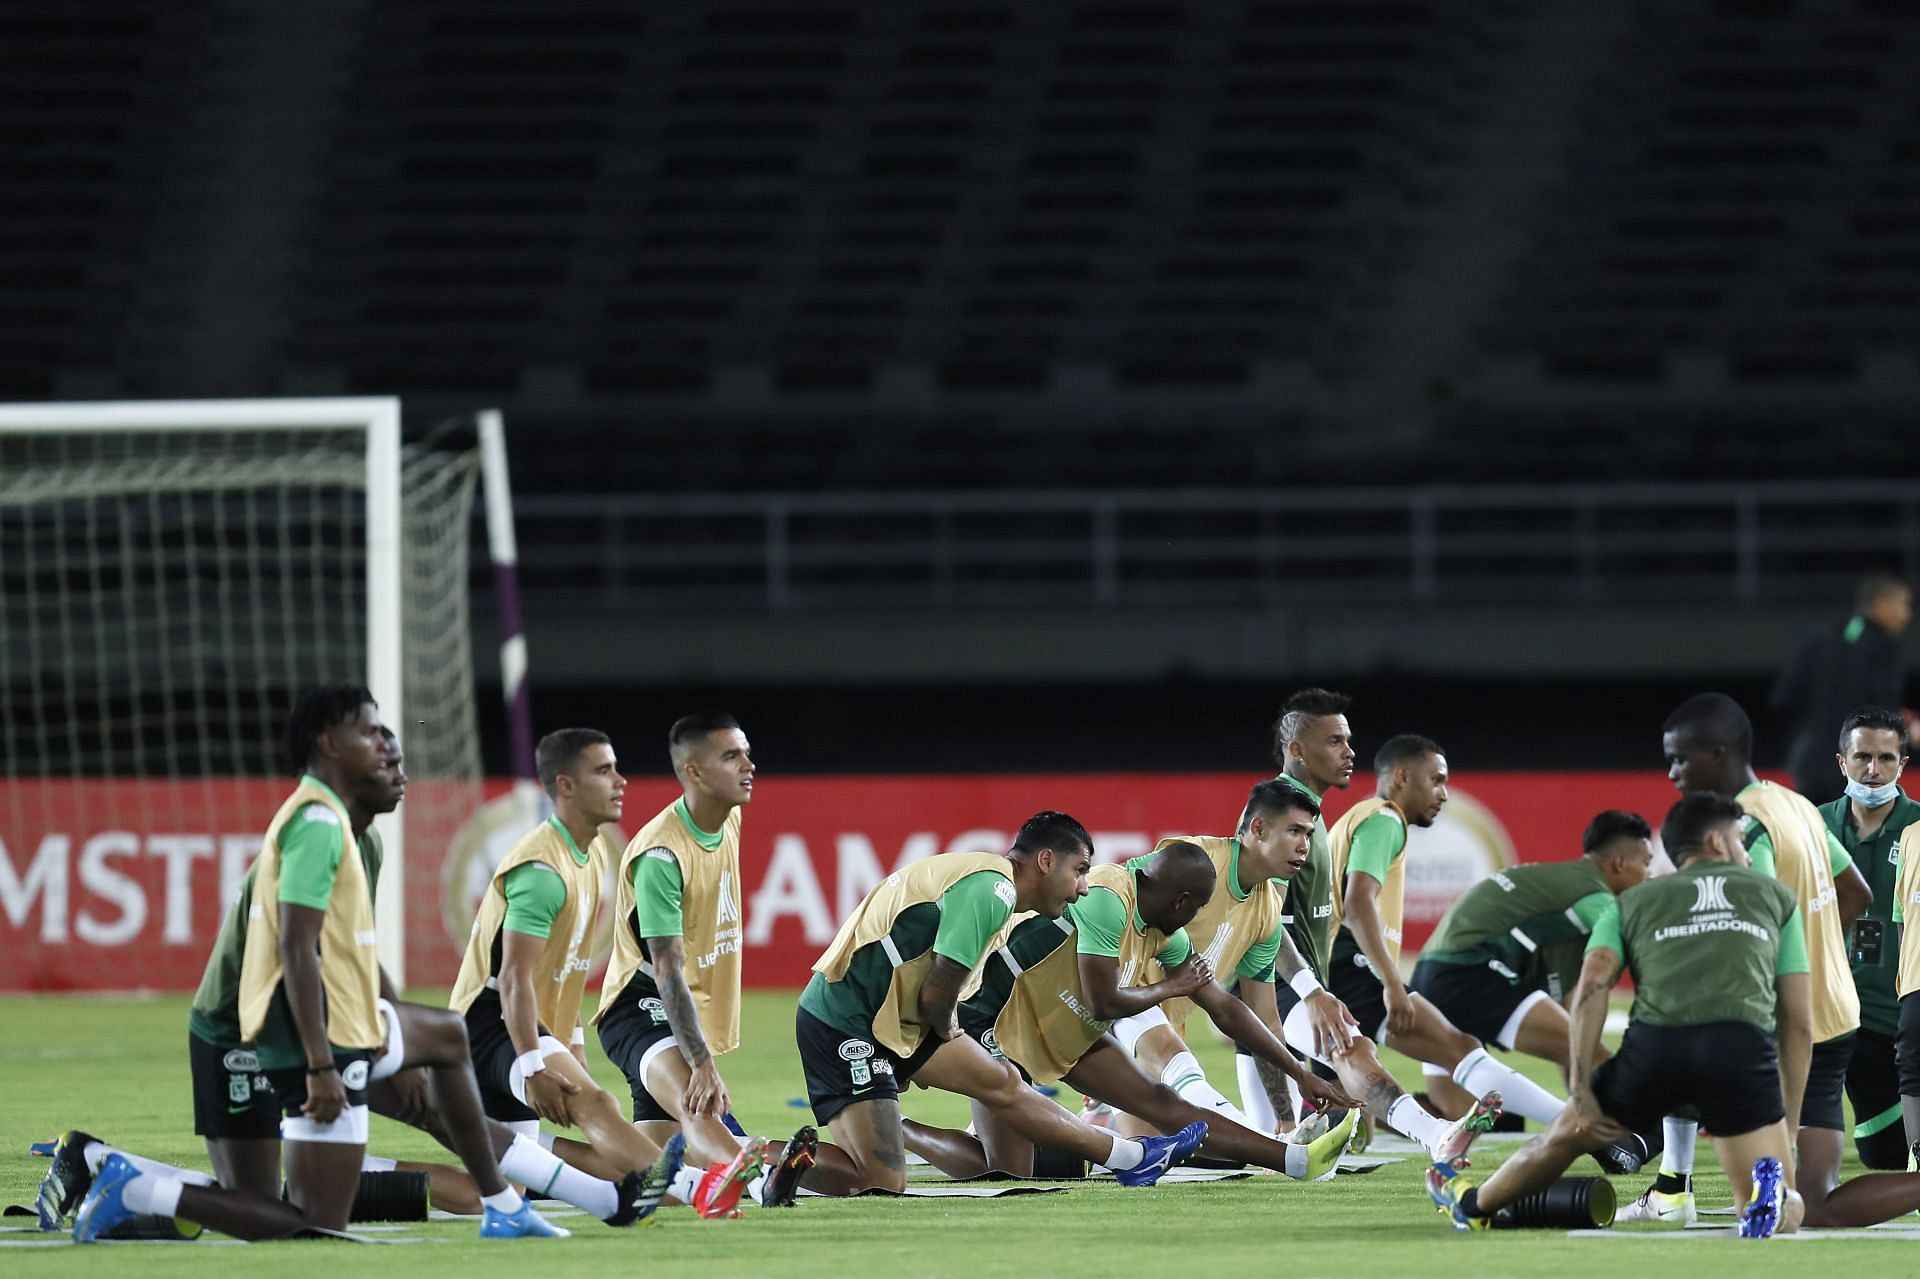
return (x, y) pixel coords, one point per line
(1004, 891)
(1710, 893)
(856, 1050)
(728, 909)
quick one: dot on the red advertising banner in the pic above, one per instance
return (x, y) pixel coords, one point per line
(121, 885)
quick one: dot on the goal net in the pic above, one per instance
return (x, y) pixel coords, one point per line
(171, 575)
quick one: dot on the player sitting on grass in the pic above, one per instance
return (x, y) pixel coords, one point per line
(1045, 1005)
(289, 1020)
(880, 1008)
(1719, 961)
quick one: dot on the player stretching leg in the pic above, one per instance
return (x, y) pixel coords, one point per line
(880, 1009)
(1719, 961)
(307, 992)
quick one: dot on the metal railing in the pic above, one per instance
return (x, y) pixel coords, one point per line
(1570, 544)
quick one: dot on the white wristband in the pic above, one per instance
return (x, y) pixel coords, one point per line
(531, 1062)
(579, 1036)
(1304, 983)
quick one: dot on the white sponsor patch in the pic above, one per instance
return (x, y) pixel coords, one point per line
(1004, 891)
(321, 814)
(355, 1075)
(242, 1061)
(856, 1050)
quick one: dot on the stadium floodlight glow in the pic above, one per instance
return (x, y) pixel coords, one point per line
(171, 574)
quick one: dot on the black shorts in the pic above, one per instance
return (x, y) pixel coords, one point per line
(631, 1027)
(1873, 1086)
(1907, 1046)
(1822, 1107)
(1477, 998)
(232, 1097)
(1724, 1074)
(1353, 984)
(493, 1057)
(842, 1069)
(290, 1082)
(980, 1031)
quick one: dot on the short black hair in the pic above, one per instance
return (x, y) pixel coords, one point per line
(1684, 832)
(560, 750)
(315, 711)
(1272, 798)
(1307, 704)
(690, 730)
(1878, 717)
(1403, 749)
(1872, 586)
(1050, 829)
(1185, 862)
(1611, 825)
(1716, 719)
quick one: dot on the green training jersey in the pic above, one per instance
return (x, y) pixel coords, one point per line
(216, 1004)
(1878, 858)
(1031, 941)
(1705, 944)
(1309, 917)
(1530, 923)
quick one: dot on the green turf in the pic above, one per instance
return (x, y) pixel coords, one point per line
(118, 1067)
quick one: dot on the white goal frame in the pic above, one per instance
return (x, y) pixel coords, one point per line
(379, 418)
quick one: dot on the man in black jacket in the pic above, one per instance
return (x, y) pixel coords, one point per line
(1838, 669)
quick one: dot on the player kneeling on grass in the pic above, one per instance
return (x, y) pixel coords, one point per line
(309, 1026)
(1048, 997)
(1719, 961)
(880, 1009)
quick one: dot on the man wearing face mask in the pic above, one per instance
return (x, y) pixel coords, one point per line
(1868, 821)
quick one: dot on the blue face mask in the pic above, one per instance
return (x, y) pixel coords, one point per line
(1872, 796)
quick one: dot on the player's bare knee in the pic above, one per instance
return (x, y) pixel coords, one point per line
(1004, 1088)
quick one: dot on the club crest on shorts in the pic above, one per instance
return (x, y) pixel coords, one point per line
(654, 1009)
(241, 1061)
(355, 1075)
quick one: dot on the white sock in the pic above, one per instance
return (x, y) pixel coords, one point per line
(374, 1163)
(1677, 1158)
(155, 1194)
(1430, 1071)
(96, 1154)
(1408, 1117)
(544, 1172)
(545, 1139)
(1479, 1073)
(1253, 1093)
(685, 1182)
(1126, 1153)
(507, 1201)
(1184, 1075)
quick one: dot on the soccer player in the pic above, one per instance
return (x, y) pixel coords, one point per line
(1870, 820)
(1237, 931)
(1046, 1005)
(1313, 745)
(880, 1008)
(1507, 951)
(1708, 744)
(1369, 863)
(671, 1000)
(526, 966)
(1719, 961)
(294, 982)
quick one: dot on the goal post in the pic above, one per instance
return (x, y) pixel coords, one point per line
(171, 574)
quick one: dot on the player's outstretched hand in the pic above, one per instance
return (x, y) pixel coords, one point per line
(707, 1092)
(1332, 1025)
(550, 1094)
(1326, 1095)
(1399, 1011)
(326, 1097)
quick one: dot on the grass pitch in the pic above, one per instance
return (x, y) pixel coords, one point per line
(118, 1068)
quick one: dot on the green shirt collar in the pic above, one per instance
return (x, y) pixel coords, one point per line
(1133, 870)
(1903, 804)
(567, 835)
(708, 841)
(1300, 786)
(308, 779)
(1233, 873)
